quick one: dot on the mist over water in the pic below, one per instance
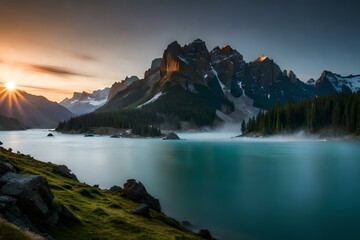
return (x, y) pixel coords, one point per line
(259, 189)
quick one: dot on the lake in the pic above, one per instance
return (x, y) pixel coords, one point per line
(237, 188)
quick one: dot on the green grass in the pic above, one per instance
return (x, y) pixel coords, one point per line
(101, 214)
(9, 231)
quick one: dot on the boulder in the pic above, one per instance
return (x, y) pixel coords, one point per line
(89, 135)
(115, 188)
(50, 135)
(33, 199)
(64, 171)
(171, 136)
(137, 192)
(142, 210)
(1, 143)
(5, 166)
(27, 202)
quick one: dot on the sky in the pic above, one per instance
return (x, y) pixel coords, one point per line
(53, 48)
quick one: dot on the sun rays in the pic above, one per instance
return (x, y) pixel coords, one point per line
(10, 99)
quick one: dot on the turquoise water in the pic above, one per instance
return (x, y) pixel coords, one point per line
(239, 189)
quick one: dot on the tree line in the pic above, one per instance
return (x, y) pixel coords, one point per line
(143, 123)
(340, 112)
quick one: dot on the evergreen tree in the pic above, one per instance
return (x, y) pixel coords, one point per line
(243, 127)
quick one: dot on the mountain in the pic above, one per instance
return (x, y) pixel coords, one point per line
(84, 102)
(192, 87)
(119, 86)
(8, 124)
(225, 83)
(331, 83)
(32, 111)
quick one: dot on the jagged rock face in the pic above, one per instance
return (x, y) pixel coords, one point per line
(185, 65)
(264, 71)
(120, 86)
(155, 65)
(230, 67)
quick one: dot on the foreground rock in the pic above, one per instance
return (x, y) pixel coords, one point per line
(27, 201)
(137, 192)
(171, 136)
(50, 135)
(64, 171)
(5, 166)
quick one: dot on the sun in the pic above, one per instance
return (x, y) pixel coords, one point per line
(10, 86)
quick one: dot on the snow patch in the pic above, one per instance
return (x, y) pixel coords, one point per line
(151, 100)
(352, 82)
(268, 96)
(183, 59)
(240, 85)
(223, 87)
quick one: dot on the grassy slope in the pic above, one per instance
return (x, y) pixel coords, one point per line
(102, 215)
(9, 231)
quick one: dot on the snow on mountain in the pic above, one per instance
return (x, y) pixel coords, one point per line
(352, 82)
(84, 102)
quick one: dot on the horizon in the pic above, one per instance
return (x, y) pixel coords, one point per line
(54, 49)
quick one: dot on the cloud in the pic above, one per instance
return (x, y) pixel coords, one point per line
(84, 57)
(48, 89)
(53, 70)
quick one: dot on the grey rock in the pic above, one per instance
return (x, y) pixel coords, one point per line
(137, 192)
(34, 199)
(142, 210)
(171, 136)
(64, 171)
(5, 166)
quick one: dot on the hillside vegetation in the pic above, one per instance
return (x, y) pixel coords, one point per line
(101, 214)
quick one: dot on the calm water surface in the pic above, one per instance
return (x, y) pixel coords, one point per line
(239, 189)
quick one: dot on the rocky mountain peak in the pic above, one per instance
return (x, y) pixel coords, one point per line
(261, 58)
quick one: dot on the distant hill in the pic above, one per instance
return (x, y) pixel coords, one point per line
(32, 111)
(8, 124)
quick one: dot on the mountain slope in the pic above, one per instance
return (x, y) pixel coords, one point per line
(84, 102)
(32, 111)
(8, 124)
(331, 83)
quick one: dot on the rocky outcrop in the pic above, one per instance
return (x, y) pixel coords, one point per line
(27, 201)
(171, 136)
(137, 192)
(64, 171)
